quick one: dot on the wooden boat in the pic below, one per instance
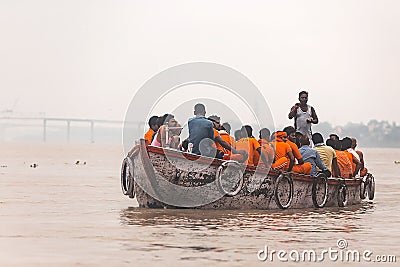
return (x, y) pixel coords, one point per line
(167, 178)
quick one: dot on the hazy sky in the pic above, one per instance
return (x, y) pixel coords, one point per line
(87, 58)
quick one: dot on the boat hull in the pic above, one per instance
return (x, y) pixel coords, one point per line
(260, 189)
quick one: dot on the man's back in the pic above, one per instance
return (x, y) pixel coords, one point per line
(344, 164)
(199, 128)
(229, 139)
(312, 156)
(295, 150)
(250, 145)
(281, 149)
(327, 154)
(268, 151)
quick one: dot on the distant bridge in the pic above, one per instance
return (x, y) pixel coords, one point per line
(45, 121)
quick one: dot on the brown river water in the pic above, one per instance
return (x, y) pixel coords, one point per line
(66, 214)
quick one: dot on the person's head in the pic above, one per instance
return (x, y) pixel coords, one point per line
(160, 121)
(227, 127)
(317, 138)
(304, 140)
(264, 134)
(353, 143)
(216, 121)
(303, 97)
(199, 109)
(332, 143)
(238, 135)
(339, 145)
(291, 132)
(281, 135)
(346, 143)
(298, 137)
(334, 136)
(153, 123)
(247, 131)
(273, 136)
(165, 119)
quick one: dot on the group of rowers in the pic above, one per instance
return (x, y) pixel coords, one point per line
(288, 150)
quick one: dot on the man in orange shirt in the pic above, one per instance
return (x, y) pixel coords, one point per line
(356, 164)
(249, 144)
(363, 170)
(153, 128)
(343, 161)
(220, 144)
(301, 166)
(266, 148)
(224, 132)
(283, 150)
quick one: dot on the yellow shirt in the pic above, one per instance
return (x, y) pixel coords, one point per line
(327, 154)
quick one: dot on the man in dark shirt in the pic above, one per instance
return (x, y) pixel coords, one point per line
(200, 131)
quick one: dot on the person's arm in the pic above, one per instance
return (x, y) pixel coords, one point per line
(335, 168)
(361, 155)
(161, 136)
(293, 111)
(291, 158)
(263, 158)
(314, 116)
(224, 144)
(358, 166)
(296, 153)
(271, 155)
(274, 152)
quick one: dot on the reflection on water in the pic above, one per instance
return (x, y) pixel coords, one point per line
(218, 236)
(254, 219)
(301, 221)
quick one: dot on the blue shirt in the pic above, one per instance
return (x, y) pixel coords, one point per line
(199, 129)
(312, 156)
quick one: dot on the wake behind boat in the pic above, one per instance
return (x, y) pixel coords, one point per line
(153, 168)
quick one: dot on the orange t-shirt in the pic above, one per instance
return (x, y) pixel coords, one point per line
(148, 136)
(296, 153)
(218, 145)
(351, 158)
(250, 145)
(267, 150)
(229, 139)
(281, 149)
(344, 164)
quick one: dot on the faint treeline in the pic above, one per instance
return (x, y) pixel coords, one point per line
(373, 134)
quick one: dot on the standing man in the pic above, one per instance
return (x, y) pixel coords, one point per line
(303, 115)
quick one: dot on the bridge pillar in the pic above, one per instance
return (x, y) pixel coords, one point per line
(68, 130)
(44, 130)
(92, 131)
